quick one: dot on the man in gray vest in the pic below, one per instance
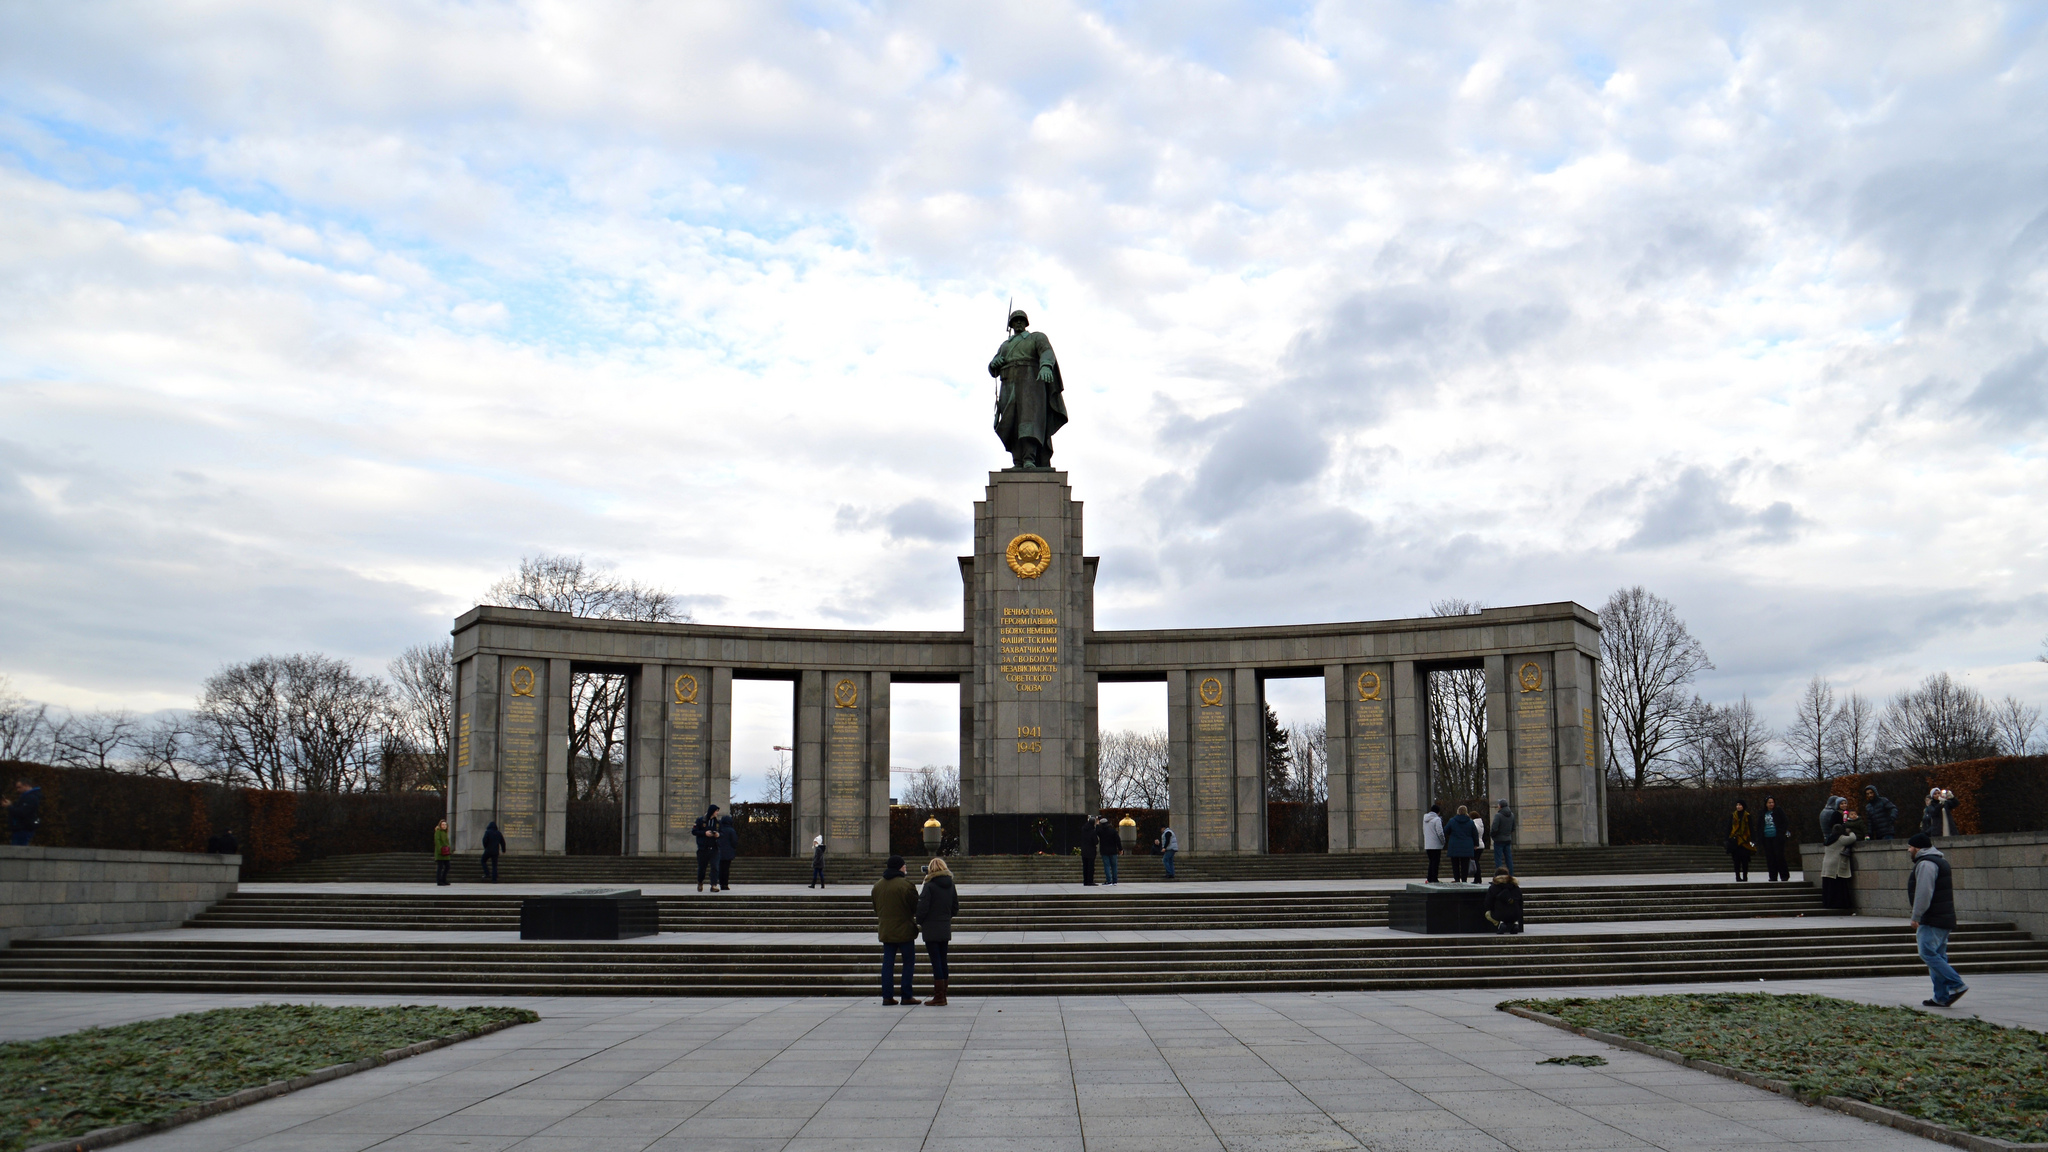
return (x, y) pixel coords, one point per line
(1933, 894)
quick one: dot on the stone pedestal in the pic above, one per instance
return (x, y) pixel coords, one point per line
(1438, 909)
(1029, 591)
(591, 914)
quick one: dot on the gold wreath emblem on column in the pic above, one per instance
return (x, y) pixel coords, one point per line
(845, 694)
(1531, 676)
(522, 681)
(686, 689)
(1368, 693)
(1029, 555)
(1212, 693)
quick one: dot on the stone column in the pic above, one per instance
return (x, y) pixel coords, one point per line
(522, 753)
(474, 796)
(1411, 756)
(1337, 757)
(1534, 748)
(560, 719)
(1580, 789)
(718, 785)
(970, 773)
(646, 727)
(807, 769)
(1500, 777)
(688, 704)
(1180, 779)
(877, 752)
(1364, 712)
(1029, 625)
(1250, 707)
(1211, 752)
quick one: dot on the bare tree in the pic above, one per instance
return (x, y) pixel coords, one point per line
(422, 717)
(1741, 743)
(1938, 722)
(778, 787)
(1309, 777)
(1814, 737)
(2015, 722)
(98, 739)
(164, 748)
(1855, 733)
(598, 701)
(558, 583)
(304, 721)
(933, 786)
(1647, 658)
(24, 726)
(1689, 755)
(1131, 767)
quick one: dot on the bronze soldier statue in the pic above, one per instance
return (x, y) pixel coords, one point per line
(1029, 408)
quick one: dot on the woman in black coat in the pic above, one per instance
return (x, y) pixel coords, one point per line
(937, 904)
(494, 847)
(728, 848)
(1504, 904)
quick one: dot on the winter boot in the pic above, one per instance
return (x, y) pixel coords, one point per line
(938, 999)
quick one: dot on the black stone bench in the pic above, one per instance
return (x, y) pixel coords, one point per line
(1439, 909)
(589, 914)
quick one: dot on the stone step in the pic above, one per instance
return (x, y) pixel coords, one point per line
(1146, 966)
(1533, 861)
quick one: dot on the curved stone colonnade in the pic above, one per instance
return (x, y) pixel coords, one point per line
(1028, 662)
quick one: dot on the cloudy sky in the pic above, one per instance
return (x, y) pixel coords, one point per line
(314, 319)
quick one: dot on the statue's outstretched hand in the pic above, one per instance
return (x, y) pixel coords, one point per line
(1045, 374)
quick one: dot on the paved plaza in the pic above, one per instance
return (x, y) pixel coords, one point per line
(1386, 1070)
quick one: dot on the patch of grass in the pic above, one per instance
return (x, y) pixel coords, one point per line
(1959, 1073)
(65, 1086)
(1577, 1061)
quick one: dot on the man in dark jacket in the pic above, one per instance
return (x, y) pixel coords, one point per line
(1089, 842)
(728, 850)
(494, 846)
(1774, 836)
(1931, 889)
(1112, 847)
(24, 813)
(1504, 837)
(706, 832)
(1882, 814)
(895, 897)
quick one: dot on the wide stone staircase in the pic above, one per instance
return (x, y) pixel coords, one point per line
(1836, 948)
(1158, 908)
(418, 867)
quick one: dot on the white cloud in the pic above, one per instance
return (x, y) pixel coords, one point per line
(313, 320)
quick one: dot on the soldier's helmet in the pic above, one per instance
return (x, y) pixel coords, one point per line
(1019, 320)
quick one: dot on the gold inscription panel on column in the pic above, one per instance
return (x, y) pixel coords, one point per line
(1028, 647)
(1212, 768)
(520, 756)
(683, 758)
(1535, 775)
(1372, 750)
(846, 742)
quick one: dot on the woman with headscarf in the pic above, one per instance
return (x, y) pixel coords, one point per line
(1433, 838)
(1740, 845)
(937, 903)
(1830, 815)
(817, 862)
(1837, 886)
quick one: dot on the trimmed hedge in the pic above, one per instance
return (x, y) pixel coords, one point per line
(83, 808)
(2003, 794)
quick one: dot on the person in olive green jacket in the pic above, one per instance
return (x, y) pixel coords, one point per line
(443, 854)
(895, 896)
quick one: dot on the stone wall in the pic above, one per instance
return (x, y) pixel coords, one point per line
(70, 891)
(2002, 877)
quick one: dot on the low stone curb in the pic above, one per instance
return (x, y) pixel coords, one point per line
(1861, 1109)
(102, 1137)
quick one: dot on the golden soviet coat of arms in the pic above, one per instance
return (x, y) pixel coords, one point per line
(1029, 555)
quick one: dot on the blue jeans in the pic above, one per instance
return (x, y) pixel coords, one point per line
(1168, 857)
(21, 839)
(1109, 869)
(1934, 950)
(1504, 856)
(908, 950)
